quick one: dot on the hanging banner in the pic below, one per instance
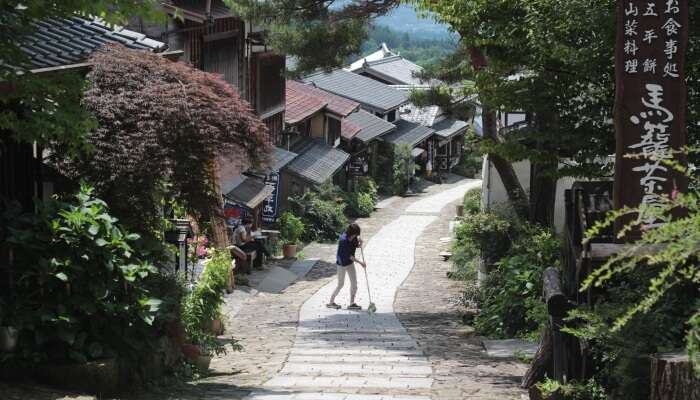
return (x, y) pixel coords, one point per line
(650, 101)
(234, 213)
(270, 204)
(358, 165)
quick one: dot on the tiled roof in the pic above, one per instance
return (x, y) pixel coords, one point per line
(336, 104)
(280, 158)
(366, 91)
(395, 69)
(300, 104)
(370, 126)
(317, 162)
(60, 42)
(248, 191)
(408, 133)
(383, 52)
(420, 115)
(348, 130)
(196, 9)
(449, 127)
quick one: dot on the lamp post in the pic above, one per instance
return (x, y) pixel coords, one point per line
(178, 237)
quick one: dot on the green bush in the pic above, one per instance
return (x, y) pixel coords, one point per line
(395, 166)
(472, 201)
(367, 185)
(203, 304)
(324, 218)
(510, 299)
(485, 233)
(572, 390)
(291, 228)
(359, 205)
(80, 290)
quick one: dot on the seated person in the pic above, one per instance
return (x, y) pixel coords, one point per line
(245, 241)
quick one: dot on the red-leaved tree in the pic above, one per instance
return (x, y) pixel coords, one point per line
(163, 125)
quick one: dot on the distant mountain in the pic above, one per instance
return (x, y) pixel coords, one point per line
(406, 19)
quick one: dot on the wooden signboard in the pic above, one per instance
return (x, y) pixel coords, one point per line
(650, 101)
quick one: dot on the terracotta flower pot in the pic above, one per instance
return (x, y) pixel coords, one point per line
(191, 352)
(289, 250)
(217, 327)
(202, 363)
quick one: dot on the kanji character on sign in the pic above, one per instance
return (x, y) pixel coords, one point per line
(649, 36)
(631, 47)
(632, 10)
(671, 70)
(649, 65)
(671, 48)
(671, 27)
(631, 27)
(651, 10)
(631, 66)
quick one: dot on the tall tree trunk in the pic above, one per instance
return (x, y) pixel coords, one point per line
(515, 191)
(543, 180)
(217, 222)
(543, 190)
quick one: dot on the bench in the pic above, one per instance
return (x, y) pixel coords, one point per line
(244, 260)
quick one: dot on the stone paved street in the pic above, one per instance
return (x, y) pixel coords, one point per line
(413, 347)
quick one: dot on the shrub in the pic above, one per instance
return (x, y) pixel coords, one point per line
(203, 304)
(367, 185)
(359, 204)
(510, 298)
(323, 219)
(484, 233)
(291, 228)
(80, 289)
(472, 201)
(395, 164)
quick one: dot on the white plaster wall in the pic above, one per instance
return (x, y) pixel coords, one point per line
(494, 193)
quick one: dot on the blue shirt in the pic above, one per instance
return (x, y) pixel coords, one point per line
(346, 249)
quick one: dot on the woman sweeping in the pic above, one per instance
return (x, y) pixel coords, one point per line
(345, 260)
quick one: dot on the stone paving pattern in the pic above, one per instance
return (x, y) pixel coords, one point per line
(413, 348)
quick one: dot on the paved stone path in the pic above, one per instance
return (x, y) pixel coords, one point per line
(354, 355)
(413, 348)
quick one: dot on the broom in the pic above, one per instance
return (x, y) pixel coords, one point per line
(372, 308)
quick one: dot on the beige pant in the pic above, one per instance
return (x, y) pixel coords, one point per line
(350, 270)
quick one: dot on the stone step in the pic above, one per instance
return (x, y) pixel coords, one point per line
(357, 368)
(357, 359)
(355, 351)
(375, 382)
(327, 396)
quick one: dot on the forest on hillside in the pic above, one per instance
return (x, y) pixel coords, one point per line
(421, 49)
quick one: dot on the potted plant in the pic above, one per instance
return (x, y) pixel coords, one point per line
(291, 229)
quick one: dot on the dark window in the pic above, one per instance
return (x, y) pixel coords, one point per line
(333, 131)
(391, 117)
(270, 82)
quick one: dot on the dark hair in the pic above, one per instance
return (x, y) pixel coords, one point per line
(353, 229)
(247, 220)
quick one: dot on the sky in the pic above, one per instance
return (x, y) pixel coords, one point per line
(405, 19)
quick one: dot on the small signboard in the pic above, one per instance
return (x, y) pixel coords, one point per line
(443, 163)
(650, 101)
(270, 207)
(358, 166)
(234, 213)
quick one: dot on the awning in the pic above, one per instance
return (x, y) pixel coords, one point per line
(417, 152)
(248, 192)
(317, 162)
(280, 158)
(450, 127)
(408, 133)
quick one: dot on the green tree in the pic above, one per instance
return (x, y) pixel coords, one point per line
(40, 108)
